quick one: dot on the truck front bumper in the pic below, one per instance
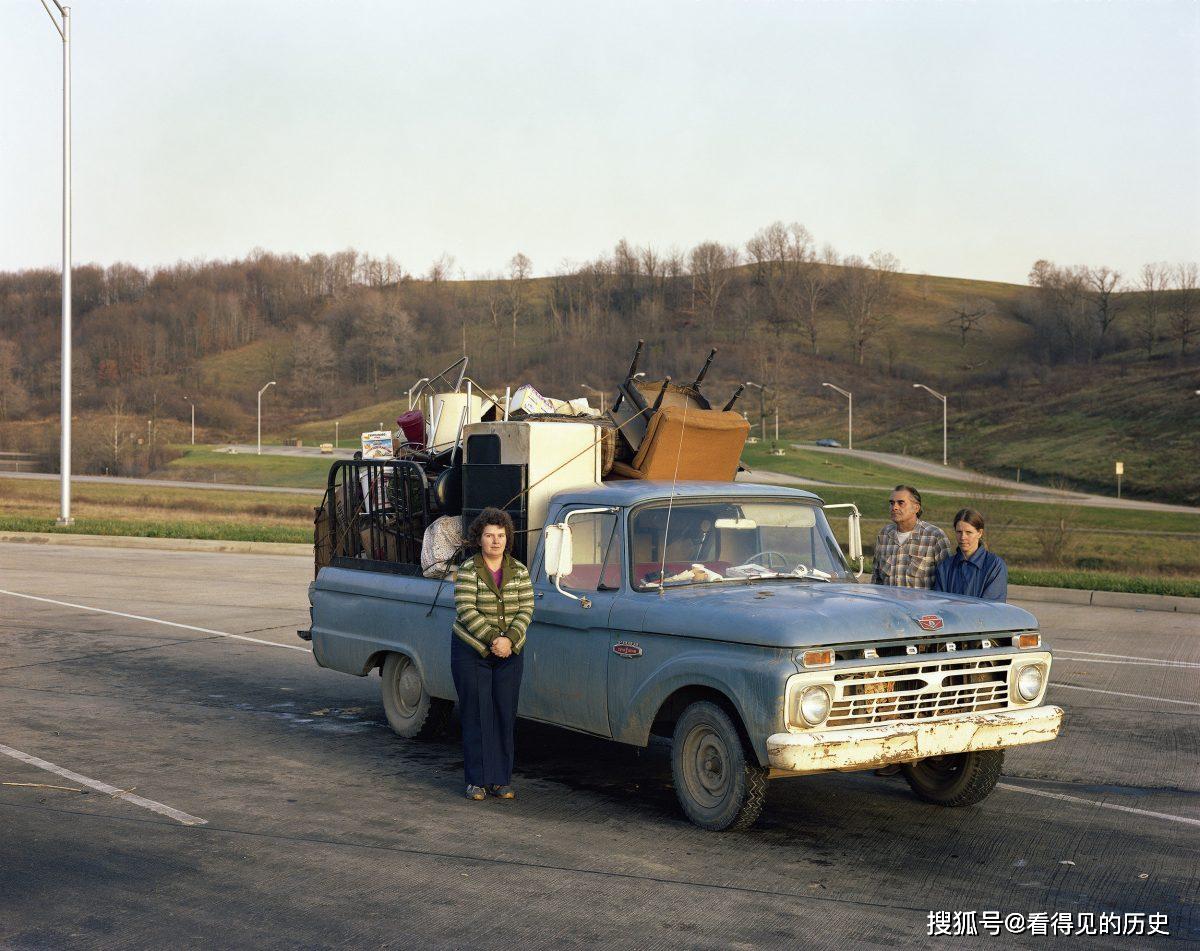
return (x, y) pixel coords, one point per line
(818, 751)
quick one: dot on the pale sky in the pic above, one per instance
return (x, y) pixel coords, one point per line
(968, 139)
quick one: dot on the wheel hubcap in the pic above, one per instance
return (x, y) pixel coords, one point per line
(408, 689)
(708, 777)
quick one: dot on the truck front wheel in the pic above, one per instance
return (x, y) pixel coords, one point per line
(717, 782)
(961, 779)
(411, 712)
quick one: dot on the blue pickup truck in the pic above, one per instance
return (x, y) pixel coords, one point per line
(725, 617)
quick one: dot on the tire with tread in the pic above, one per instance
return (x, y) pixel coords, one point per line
(411, 712)
(718, 782)
(962, 779)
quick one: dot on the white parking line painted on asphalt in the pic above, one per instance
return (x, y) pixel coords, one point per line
(185, 818)
(155, 620)
(1116, 658)
(1094, 802)
(1127, 663)
(1117, 693)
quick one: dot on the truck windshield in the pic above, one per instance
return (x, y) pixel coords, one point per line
(716, 540)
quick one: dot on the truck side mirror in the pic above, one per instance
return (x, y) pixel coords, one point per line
(854, 526)
(559, 554)
(854, 523)
(559, 558)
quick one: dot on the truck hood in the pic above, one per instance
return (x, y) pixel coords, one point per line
(810, 613)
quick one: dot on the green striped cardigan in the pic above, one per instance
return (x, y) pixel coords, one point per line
(485, 612)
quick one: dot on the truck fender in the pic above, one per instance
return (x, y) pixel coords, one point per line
(632, 721)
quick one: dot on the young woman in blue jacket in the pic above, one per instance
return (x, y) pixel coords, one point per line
(972, 570)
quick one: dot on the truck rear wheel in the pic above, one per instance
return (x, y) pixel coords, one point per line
(961, 779)
(718, 783)
(411, 712)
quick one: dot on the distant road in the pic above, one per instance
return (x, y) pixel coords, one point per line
(167, 483)
(1007, 489)
(303, 451)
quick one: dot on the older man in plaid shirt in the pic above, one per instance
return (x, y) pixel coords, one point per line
(907, 551)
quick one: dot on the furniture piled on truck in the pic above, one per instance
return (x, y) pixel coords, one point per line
(459, 449)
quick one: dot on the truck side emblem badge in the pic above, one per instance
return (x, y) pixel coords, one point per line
(930, 622)
(625, 649)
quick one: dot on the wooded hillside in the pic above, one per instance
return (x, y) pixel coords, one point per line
(346, 330)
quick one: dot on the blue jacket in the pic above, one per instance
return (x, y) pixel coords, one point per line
(983, 575)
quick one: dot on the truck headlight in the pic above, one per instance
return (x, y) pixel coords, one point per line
(1030, 680)
(814, 705)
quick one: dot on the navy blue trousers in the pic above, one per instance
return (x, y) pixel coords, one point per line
(488, 689)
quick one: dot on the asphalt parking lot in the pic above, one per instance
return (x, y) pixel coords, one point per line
(247, 798)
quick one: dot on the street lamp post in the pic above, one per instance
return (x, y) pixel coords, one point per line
(599, 393)
(762, 406)
(63, 29)
(260, 393)
(188, 400)
(937, 395)
(849, 411)
(412, 389)
(337, 423)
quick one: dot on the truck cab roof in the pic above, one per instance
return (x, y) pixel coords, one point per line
(625, 493)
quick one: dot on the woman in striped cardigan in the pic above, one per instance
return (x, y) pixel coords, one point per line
(493, 600)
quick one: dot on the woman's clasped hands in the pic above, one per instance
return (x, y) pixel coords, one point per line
(502, 646)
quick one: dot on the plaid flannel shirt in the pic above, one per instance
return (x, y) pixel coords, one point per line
(913, 564)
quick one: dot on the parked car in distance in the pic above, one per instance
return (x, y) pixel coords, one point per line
(830, 443)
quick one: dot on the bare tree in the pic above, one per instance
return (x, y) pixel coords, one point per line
(519, 270)
(865, 297)
(312, 361)
(441, 269)
(1105, 284)
(1153, 283)
(13, 396)
(967, 315)
(1062, 320)
(1185, 304)
(712, 266)
(120, 434)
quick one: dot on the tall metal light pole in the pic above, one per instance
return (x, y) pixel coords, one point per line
(64, 31)
(336, 436)
(762, 406)
(599, 393)
(937, 395)
(850, 419)
(260, 393)
(188, 400)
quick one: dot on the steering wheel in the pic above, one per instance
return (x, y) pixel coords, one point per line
(767, 555)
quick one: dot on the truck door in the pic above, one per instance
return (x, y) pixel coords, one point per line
(566, 662)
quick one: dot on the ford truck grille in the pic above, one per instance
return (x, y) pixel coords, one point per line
(919, 691)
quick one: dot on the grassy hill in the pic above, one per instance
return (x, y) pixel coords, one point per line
(1009, 407)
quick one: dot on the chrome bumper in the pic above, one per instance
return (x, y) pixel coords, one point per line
(867, 747)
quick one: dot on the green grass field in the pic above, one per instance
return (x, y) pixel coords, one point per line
(840, 469)
(204, 464)
(159, 512)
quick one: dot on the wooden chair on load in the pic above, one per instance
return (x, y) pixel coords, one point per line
(680, 424)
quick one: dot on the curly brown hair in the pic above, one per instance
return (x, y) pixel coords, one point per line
(491, 516)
